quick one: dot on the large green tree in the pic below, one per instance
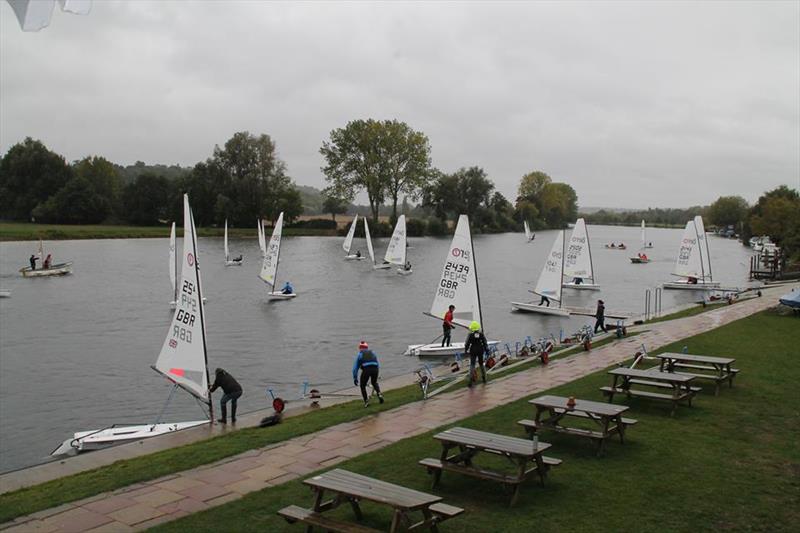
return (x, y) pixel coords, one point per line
(728, 211)
(146, 199)
(383, 158)
(777, 214)
(29, 175)
(104, 178)
(77, 202)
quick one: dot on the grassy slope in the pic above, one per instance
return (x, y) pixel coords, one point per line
(731, 462)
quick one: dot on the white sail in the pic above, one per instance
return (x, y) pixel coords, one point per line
(396, 251)
(644, 235)
(269, 267)
(527, 230)
(262, 239)
(173, 263)
(549, 283)
(458, 284)
(578, 257)
(227, 253)
(348, 241)
(689, 262)
(369, 241)
(183, 355)
(702, 245)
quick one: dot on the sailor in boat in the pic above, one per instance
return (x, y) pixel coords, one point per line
(544, 301)
(447, 325)
(47, 261)
(600, 316)
(367, 361)
(692, 280)
(232, 391)
(33, 260)
(613, 245)
(358, 253)
(407, 266)
(287, 288)
(237, 259)
(577, 280)
(476, 346)
(621, 245)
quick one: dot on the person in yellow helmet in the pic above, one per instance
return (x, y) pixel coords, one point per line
(476, 345)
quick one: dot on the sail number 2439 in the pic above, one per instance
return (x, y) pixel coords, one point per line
(454, 273)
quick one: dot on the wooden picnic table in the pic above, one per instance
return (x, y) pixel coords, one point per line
(679, 385)
(346, 486)
(607, 417)
(717, 369)
(526, 457)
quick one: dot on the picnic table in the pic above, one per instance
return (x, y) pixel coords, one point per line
(527, 458)
(717, 369)
(352, 488)
(679, 385)
(553, 411)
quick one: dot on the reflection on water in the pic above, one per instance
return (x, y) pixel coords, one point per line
(75, 351)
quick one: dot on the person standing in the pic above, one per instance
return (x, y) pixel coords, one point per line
(476, 345)
(544, 300)
(447, 325)
(367, 361)
(232, 391)
(47, 261)
(600, 315)
(33, 260)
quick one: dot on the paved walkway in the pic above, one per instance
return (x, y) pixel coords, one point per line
(146, 504)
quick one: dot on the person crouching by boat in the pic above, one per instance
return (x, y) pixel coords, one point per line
(476, 346)
(367, 361)
(232, 391)
(33, 260)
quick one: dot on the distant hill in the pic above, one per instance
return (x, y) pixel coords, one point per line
(131, 172)
(590, 210)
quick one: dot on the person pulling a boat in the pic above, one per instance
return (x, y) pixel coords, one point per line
(476, 346)
(287, 288)
(447, 325)
(367, 361)
(232, 391)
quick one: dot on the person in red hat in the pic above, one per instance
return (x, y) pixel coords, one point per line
(367, 361)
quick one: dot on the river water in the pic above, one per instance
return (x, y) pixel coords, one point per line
(75, 351)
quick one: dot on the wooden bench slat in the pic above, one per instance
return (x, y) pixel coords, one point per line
(444, 510)
(581, 414)
(661, 385)
(294, 513)
(645, 394)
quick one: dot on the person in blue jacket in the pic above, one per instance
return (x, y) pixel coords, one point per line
(287, 288)
(367, 361)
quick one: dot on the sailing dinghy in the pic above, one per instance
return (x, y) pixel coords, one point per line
(578, 262)
(397, 249)
(56, 269)
(641, 257)
(183, 359)
(694, 262)
(237, 261)
(457, 286)
(269, 267)
(348, 242)
(529, 236)
(549, 283)
(383, 266)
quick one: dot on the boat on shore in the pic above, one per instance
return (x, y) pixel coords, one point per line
(694, 261)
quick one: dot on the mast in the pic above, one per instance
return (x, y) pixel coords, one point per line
(202, 317)
(700, 251)
(475, 269)
(591, 262)
(278, 255)
(560, 290)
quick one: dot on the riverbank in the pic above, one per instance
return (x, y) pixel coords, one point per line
(22, 231)
(657, 336)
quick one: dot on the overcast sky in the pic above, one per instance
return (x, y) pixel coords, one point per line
(634, 104)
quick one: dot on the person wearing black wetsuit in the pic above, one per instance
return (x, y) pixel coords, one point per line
(232, 391)
(476, 345)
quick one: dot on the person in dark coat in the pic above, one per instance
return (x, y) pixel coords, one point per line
(232, 391)
(33, 260)
(367, 361)
(600, 315)
(476, 345)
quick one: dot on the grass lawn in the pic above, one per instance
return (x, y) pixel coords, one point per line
(22, 231)
(730, 462)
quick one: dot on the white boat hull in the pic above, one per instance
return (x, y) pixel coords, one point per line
(639, 260)
(59, 269)
(404, 272)
(383, 266)
(581, 286)
(84, 441)
(233, 263)
(541, 309)
(278, 295)
(436, 349)
(5, 294)
(354, 257)
(685, 285)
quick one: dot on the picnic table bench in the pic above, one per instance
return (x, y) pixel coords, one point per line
(607, 417)
(526, 458)
(352, 488)
(717, 369)
(680, 385)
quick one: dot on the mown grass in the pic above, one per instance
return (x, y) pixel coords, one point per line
(731, 462)
(147, 467)
(21, 231)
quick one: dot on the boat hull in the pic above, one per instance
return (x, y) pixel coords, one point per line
(436, 349)
(581, 286)
(639, 260)
(354, 257)
(59, 269)
(686, 286)
(541, 309)
(385, 266)
(5, 294)
(277, 295)
(616, 247)
(233, 263)
(85, 441)
(404, 272)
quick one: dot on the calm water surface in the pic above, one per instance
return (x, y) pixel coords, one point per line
(75, 351)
